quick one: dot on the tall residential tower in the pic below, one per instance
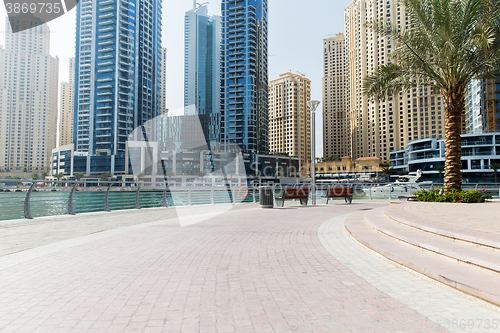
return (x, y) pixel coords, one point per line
(290, 117)
(117, 81)
(244, 73)
(66, 106)
(378, 127)
(28, 100)
(335, 85)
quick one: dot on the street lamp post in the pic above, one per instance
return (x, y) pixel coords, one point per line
(313, 105)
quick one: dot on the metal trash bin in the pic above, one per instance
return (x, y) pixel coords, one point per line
(266, 199)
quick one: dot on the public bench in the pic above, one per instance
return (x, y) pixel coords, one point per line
(408, 197)
(288, 193)
(339, 192)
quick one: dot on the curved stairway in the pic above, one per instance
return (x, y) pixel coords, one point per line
(467, 260)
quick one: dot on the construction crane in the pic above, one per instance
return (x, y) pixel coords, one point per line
(491, 123)
(490, 100)
(197, 5)
(300, 73)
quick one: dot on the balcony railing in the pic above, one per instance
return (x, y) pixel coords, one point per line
(421, 147)
(424, 156)
(476, 153)
(476, 142)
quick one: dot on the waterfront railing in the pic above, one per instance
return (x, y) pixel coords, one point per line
(35, 198)
(28, 199)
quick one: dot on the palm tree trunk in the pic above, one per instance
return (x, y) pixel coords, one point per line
(454, 107)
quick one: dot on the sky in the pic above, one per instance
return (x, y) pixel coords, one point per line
(295, 38)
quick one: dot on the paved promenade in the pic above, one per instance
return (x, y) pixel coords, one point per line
(242, 269)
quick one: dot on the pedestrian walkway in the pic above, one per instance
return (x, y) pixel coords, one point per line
(229, 269)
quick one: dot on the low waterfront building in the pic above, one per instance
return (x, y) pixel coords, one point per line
(151, 162)
(363, 168)
(479, 151)
(67, 161)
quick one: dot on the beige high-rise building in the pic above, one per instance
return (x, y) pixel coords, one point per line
(163, 82)
(289, 128)
(335, 93)
(378, 127)
(66, 106)
(28, 100)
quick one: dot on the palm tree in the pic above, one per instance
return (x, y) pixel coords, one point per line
(388, 171)
(333, 158)
(44, 174)
(446, 44)
(58, 176)
(106, 176)
(402, 172)
(385, 164)
(79, 175)
(495, 167)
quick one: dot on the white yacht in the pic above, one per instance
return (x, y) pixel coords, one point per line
(403, 186)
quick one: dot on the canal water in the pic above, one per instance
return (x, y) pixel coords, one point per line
(49, 203)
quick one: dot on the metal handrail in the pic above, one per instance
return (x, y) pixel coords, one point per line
(112, 195)
(142, 196)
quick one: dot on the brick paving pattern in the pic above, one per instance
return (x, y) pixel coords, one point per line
(243, 271)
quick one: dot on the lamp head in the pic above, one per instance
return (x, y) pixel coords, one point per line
(313, 105)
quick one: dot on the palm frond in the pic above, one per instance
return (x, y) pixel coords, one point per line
(446, 44)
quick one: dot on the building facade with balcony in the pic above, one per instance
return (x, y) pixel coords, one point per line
(68, 162)
(479, 151)
(117, 81)
(482, 96)
(244, 74)
(474, 115)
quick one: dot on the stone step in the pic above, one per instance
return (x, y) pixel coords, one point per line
(463, 251)
(395, 212)
(470, 279)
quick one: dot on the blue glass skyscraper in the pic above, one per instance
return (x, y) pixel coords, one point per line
(117, 81)
(202, 80)
(244, 74)
(201, 61)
